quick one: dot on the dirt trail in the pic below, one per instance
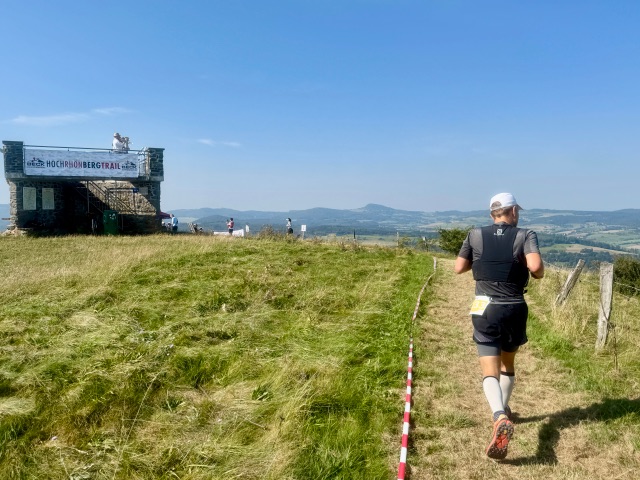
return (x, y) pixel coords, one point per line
(452, 422)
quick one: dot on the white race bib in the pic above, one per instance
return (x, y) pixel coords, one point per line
(479, 305)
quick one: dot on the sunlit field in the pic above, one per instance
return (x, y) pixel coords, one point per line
(203, 357)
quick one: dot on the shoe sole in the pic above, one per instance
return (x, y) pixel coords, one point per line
(502, 434)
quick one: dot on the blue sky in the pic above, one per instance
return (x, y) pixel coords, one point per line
(291, 104)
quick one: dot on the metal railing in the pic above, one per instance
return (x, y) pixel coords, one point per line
(99, 149)
(104, 198)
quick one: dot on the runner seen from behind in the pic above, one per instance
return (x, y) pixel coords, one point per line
(501, 257)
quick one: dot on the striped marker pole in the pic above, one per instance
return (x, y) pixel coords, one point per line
(402, 468)
(407, 414)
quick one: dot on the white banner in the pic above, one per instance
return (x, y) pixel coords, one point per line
(60, 163)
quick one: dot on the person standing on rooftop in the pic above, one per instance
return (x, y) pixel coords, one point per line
(118, 143)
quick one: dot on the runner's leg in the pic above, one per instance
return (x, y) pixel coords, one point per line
(490, 366)
(507, 376)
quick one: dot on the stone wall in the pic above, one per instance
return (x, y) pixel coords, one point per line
(13, 159)
(155, 164)
(68, 205)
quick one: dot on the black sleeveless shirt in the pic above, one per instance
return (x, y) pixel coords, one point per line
(500, 271)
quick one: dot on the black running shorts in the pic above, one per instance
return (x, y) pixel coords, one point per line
(502, 325)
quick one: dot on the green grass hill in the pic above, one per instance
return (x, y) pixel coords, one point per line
(200, 357)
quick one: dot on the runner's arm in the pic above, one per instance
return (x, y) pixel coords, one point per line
(462, 265)
(463, 261)
(532, 254)
(535, 265)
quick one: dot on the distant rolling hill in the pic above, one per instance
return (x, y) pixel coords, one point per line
(619, 227)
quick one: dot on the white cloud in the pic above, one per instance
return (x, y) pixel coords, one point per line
(213, 143)
(51, 120)
(231, 144)
(65, 118)
(111, 110)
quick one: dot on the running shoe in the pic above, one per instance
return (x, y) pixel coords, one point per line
(502, 433)
(507, 412)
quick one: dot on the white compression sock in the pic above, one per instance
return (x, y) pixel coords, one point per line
(507, 382)
(491, 387)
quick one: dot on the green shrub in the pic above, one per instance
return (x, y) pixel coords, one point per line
(451, 239)
(626, 273)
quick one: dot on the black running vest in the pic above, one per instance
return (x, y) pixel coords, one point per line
(498, 262)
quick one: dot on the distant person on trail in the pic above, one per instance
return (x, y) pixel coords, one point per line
(174, 223)
(230, 225)
(501, 257)
(289, 227)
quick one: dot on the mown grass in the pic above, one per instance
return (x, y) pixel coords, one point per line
(199, 357)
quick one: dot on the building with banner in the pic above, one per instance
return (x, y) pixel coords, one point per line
(83, 190)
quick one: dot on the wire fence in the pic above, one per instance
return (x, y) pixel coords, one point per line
(586, 279)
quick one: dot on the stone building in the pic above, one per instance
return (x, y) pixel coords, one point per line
(82, 190)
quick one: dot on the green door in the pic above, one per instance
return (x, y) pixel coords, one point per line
(110, 222)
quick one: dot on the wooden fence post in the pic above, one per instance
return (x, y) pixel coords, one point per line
(606, 294)
(571, 281)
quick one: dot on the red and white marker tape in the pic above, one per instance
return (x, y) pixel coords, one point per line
(407, 414)
(402, 468)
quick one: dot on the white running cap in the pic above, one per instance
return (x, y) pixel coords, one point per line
(503, 200)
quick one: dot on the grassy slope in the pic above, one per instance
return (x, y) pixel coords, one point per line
(198, 357)
(194, 357)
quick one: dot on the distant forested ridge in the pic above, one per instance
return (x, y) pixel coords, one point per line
(548, 240)
(591, 257)
(627, 218)
(618, 231)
